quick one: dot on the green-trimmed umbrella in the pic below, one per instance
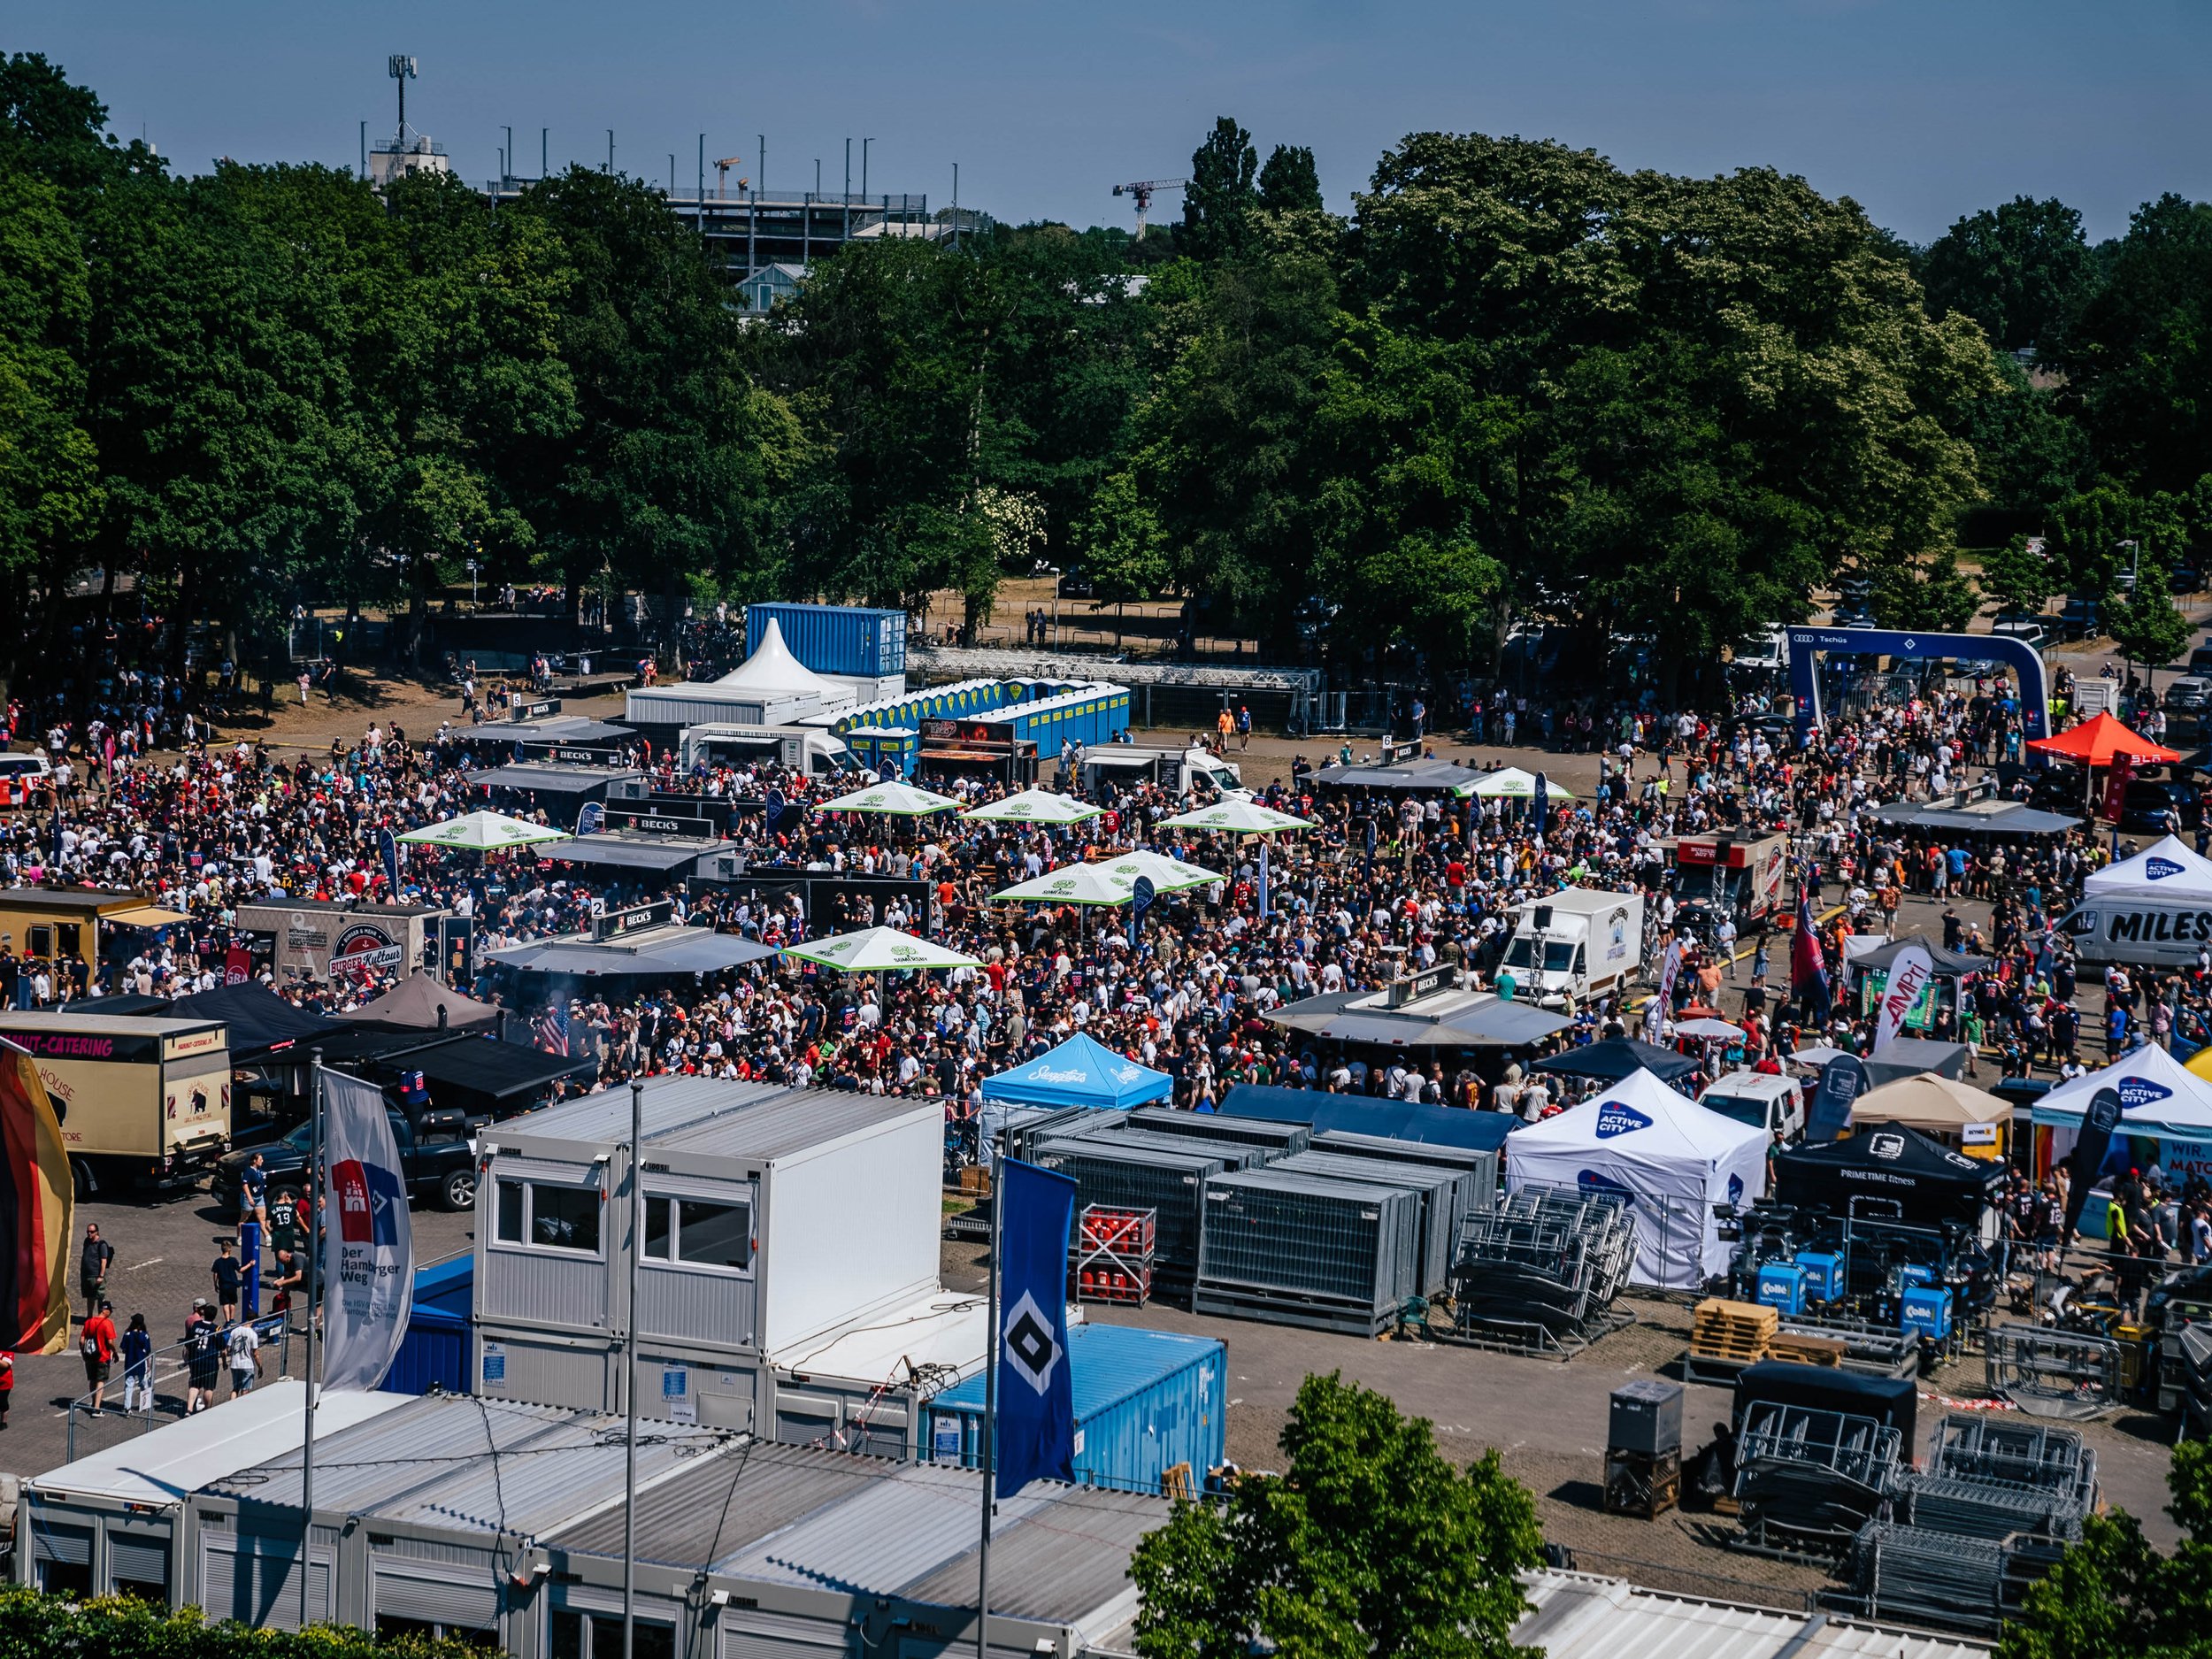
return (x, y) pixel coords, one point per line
(899, 800)
(1071, 884)
(1169, 875)
(878, 950)
(1032, 806)
(1510, 783)
(483, 831)
(1240, 817)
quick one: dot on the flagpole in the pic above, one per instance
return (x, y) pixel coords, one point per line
(990, 1415)
(629, 1385)
(314, 1278)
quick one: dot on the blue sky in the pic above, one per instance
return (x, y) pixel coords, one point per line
(1921, 111)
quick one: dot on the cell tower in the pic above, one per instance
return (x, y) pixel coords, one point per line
(409, 151)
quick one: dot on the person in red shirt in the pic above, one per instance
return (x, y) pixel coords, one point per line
(97, 1343)
(7, 1384)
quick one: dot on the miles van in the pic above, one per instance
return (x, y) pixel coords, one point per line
(144, 1103)
(1579, 941)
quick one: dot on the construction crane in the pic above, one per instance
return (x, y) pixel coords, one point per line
(722, 177)
(1142, 190)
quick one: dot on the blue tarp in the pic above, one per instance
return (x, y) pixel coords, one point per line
(1079, 1073)
(1361, 1114)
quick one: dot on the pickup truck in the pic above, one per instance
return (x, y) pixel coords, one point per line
(438, 1161)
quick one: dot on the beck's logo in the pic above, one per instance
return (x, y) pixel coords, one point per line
(1614, 1118)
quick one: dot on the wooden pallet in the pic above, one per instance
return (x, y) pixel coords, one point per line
(1740, 1331)
(1806, 1350)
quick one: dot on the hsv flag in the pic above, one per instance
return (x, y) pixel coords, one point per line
(37, 1212)
(369, 1261)
(1036, 1400)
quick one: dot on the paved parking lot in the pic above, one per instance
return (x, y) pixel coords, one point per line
(163, 1251)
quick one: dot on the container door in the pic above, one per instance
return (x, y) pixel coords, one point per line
(139, 1566)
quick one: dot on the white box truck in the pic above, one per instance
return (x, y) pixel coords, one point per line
(799, 749)
(1579, 941)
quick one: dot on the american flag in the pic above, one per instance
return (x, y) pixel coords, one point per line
(551, 1029)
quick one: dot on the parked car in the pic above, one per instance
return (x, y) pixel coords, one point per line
(2028, 630)
(2144, 805)
(439, 1161)
(2201, 660)
(2188, 695)
(2081, 618)
(1075, 585)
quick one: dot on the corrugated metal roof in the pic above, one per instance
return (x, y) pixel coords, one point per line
(1059, 1566)
(1575, 1615)
(713, 1507)
(1107, 1364)
(796, 1120)
(374, 1463)
(165, 1464)
(578, 1467)
(669, 1103)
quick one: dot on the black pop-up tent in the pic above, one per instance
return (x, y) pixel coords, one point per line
(261, 1022)
(1930, 1182)
(1618, 1057)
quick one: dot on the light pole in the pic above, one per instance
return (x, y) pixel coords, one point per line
(471, 584)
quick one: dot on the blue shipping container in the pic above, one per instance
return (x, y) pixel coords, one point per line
(435, 1352)
(834, 639)
(1145, 1402)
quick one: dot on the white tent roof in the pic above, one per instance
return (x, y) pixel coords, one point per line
(2170, 870)
(1639, 1119)
(773, 668)
(2158, 1096)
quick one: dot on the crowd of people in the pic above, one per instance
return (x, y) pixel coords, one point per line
(1381, 884)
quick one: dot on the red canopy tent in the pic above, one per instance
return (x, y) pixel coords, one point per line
(2095, 743)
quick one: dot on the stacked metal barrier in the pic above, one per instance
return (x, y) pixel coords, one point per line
(2053, 1373)
(1808, 1481)
(1543, 1267)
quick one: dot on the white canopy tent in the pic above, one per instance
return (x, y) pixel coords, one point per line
(773, 670)
(2160, 1099)
(1510, 783)
(2170, 870)
(1671, 1158)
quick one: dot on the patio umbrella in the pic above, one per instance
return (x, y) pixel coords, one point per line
(1510, 783)
(1718, 1029)
(876, 950)
(1169, 875)
(483, 831)
(1032, 806)
(1070, 884)
(1240, 817)
(899, 800)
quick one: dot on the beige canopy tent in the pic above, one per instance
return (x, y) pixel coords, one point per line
(1942, 1107)
(417, 1003)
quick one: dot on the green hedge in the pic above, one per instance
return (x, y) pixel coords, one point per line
(34, 1625)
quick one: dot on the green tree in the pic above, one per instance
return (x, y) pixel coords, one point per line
(2017, 576)
(1370, 1544)
(2138, 352)
(1290, 182)
(1218, 200)
(2032, 451)
(2147, 628)
(2100, 533)
(2113, 1596)
(2018, 269)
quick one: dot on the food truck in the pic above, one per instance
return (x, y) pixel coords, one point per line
(1743, 878)
(144, 1102)
(300, 940)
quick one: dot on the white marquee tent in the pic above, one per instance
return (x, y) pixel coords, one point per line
(1673, 1159)
(2170, 870)
(773, 670)
(2160, 1099)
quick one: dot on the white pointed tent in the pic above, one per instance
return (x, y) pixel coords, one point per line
(771, 671)
(1671, 1158)
(2160, 1099)
(2170, 870)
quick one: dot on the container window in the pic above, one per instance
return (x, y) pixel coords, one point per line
(657, 1238)
(714, 1235)
(509, 1230)
(42, 940)
(563, 1218)
(575, 1635)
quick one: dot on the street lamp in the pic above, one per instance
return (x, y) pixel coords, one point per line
(471, 584)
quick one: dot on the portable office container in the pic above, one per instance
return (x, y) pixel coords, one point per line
(702, 703)
(1145, 1402)
(844, 640)
(435, 1352)
(1307, 1249)
(776, 1219)
(1443, 1206)
(119, 1521)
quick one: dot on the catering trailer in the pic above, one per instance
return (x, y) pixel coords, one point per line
(300, 940)
(1743, 878)
(144, 1102)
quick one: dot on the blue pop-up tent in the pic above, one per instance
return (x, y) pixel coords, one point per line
(1079, 1073)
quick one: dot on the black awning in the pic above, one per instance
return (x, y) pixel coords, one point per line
(492, 1068)
(1616, 1058)
(258, 1018)
(1930, 1182)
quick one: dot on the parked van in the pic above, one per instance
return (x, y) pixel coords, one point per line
(1764, 1100)
(1578, 941)
(1177, 770)
(794, 748)
(143, 1102)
